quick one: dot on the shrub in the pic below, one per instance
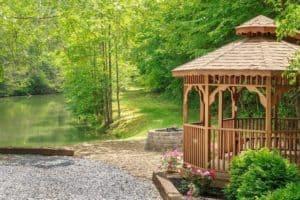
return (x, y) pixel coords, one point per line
(290, 192)
(256, 172)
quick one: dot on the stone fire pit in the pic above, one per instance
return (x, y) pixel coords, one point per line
(164, 139)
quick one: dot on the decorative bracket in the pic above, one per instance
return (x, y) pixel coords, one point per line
(212, 96)
(261, 96)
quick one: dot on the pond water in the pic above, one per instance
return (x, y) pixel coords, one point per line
(39, 121)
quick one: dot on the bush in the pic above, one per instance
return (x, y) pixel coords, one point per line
(256, 172)
(290, 192)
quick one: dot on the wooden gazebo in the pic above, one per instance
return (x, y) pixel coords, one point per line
(256, 63)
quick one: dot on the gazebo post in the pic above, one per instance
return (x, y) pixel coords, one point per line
(234, 98)
(220, 110)
(201, 108)
(206, 121)
(275, 113)
(185, 105)
(269, 111)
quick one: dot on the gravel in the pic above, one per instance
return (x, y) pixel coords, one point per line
(40, 177)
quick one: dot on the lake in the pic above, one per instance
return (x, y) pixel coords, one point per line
(39, 121)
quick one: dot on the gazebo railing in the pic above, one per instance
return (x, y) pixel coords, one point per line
(259, 123)
(287, 142)
(193, 144)
(225, 143)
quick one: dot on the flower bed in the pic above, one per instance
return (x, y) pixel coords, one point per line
(189, 181)
(182, 186)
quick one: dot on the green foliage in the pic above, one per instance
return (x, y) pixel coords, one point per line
(289, 24)
(290, 192)
(93, 40)
(82, 98)
(50, 44)
(170, 33)
(256, 172)
(184, 186)
(289, 19)
(1, 74)
(26, 43)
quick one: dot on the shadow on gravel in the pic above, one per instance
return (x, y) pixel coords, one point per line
(43, 162)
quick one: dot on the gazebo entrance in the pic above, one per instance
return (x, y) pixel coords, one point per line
(256, 64)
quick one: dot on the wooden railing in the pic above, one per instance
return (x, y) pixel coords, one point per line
(228, 123)
(250, 123)
(287, 142)
(225, 143)
(259, 123)
(286, 124)
(193, 145)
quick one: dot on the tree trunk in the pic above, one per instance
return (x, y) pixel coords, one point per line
(110, 114)
(105, 87)
(117, 79)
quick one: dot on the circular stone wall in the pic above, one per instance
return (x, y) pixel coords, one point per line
(164, 139)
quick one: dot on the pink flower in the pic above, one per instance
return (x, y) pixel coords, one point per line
(213, 174)
(206, 173)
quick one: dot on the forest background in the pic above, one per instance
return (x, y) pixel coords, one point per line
(93, 50)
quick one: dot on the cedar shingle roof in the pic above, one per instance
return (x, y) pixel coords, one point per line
(260, 25)
(251, 53)
(260, 20)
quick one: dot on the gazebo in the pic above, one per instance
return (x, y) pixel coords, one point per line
(255, 63)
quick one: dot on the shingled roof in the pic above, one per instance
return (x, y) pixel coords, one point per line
(260, 20)
(258, 25)
(259, 53)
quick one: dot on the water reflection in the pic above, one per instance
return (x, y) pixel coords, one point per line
(39, 121)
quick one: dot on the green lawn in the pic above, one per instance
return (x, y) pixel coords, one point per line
(142, 111)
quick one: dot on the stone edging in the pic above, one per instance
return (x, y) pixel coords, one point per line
(167, 190)
(165, 187)
(37, 151)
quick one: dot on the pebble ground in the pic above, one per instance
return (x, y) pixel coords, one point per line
(40, 177)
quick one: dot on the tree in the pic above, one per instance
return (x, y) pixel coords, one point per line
(25, 41)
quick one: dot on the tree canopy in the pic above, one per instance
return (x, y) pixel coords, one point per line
(91, 49)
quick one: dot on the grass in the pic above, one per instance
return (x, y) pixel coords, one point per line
(143, 111)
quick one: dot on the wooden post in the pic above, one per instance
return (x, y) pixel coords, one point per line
(234, 98)
(276, 117)
(201, 109)
(185, 105)
(220, 110)
(269, 111)
(206, 122)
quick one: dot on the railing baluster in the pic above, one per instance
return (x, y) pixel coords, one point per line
(225, 143)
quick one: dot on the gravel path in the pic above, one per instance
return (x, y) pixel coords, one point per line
(128, 155)
(38, 177)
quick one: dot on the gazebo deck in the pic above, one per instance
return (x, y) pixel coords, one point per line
(237, 136)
